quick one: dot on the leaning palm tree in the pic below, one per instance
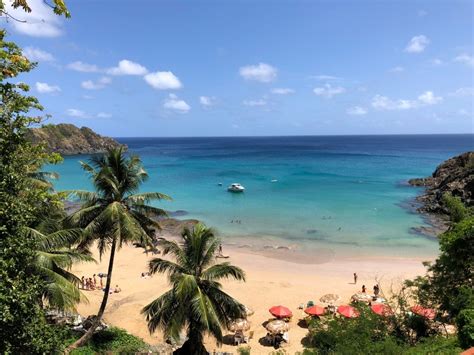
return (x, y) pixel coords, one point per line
(55, 255)
(115, 213)
(196, 302)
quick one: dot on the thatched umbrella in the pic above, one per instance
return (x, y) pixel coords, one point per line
(329, 298)
(248, 311)
(239, 324)
(277, 326)
(361, 297)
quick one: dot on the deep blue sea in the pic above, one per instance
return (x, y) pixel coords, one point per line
(346, 194)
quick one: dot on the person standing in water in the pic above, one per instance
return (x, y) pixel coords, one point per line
(355, 278)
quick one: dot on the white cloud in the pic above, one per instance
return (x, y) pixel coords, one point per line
(127, 67)
(262, 72)
(83, 67)
(37, 55)
(96, 85)
(380, 102)
(282, 91)
(436, 62)
(44, 88)
(357, 111)
(328, 91)
(259, 102)
(176, 104)
(104, 115)
(463, 92)
(325, 77)
(40, 22)
(428, 98)
(207, 101)
(465, 59)
(397, 69)
(73, 112)
(163, 80)
(463, 112)
(417, 44)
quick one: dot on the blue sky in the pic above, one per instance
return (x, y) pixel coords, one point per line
(212, 68)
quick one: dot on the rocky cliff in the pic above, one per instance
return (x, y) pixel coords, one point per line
(68, 139)
(454, 176)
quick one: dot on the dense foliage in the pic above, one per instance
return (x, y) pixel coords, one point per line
(196, 302)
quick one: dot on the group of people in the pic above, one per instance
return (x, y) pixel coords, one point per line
(364, 290)
(90, 283)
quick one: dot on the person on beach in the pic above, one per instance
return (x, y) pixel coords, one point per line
(117, 289)
(91, 284)
(95, 281)
(83, 283)
(87, 285)
(376, 290)
(363, 289)
(355, 278)
(220, 249)
(101, 284)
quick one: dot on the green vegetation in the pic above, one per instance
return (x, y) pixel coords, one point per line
(195, 301)
(456, 209)
(114, 214)
(112, 340)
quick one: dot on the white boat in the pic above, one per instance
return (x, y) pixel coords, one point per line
(235, 187)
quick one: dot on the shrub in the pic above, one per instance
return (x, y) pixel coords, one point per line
(465, 323)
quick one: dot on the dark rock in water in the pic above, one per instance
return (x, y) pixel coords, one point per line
(68, 139)
(311, 231)
(455, 176)
(427, 232)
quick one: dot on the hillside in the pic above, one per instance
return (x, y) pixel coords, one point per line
(68, 139)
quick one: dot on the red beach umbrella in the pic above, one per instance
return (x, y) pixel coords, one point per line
(382, 309)
(315, 310)
(428, 313)
(280, 312)
(348, 311)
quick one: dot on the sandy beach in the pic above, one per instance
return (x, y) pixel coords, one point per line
(272, 279)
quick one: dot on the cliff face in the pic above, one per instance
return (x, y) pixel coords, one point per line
(68, 139)
(454, 176)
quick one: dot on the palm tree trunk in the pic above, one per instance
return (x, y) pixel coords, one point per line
(85, 338)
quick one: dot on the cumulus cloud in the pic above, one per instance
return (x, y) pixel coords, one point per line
(104, 115)
(251, 103)
(175, 104)
(207, 101)
(465, 59)
(380, 102)
(44, 88)
(428, 98)
(356, 111)
(463, 92)
(73, 112)
(37, 55)
(282, 91)
(328, 91)
(163, 80)
(40, 22)
(397, 69)
(83, 67)
(261, 72)
(96, 85)
(417, 44)
(127, 67)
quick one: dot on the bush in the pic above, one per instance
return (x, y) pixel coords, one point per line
(244, 350)
(435, 345)
(465, 323)
(113, 340)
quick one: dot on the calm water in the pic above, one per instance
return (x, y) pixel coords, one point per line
(344, 194)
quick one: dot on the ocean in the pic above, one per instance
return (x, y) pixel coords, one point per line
(324, 195)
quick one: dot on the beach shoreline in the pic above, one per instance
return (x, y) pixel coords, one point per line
(270, 280)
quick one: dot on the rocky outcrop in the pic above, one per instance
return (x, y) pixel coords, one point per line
(68, 139)
(454, 176)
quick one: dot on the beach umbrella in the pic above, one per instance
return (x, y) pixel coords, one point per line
(329, 298)
(239, 324)
(315, 310)
(277, 326)
(428, 313)
(348, 311)
(280, 312)
(381, 309)
(361, 297)
(248, 311)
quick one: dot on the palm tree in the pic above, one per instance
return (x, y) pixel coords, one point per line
(115, 213)
(196, 301)
(54, 259)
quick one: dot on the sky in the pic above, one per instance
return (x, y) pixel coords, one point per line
(253, 68)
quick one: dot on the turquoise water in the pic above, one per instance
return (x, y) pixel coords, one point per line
(346, 195)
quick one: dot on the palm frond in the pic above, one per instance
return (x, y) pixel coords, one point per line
(223, 271)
